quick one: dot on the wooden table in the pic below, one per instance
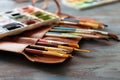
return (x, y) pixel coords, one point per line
(102, 63)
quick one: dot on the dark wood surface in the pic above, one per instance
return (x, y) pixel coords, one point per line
(102, 63)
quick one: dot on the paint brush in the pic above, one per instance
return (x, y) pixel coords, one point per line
(78, 30)
(74, 49)
(46, 44)
(85, 24)
(49, 48)
(94, 36)
(75, 21)
(88, 31)
(63, 35)
(49, 53)
(60, 43)
(70, 49)
(75, 35)
(114, 36)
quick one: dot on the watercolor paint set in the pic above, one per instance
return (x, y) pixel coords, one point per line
(26, 18)
(84, 4)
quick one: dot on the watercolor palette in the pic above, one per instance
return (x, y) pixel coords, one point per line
(84, 4)
(41, 14)
(26, 18)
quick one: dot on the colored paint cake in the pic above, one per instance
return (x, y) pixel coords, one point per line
(23, 17)
(37, 13)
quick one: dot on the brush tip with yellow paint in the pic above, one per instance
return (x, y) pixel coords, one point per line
(81, 50)
(74, 45)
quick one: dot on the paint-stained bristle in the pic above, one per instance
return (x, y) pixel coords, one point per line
(113, 36)
(70, 56)
(73, 45)
(65, 47)
(103, 37)
(105, 25)
(81, 50)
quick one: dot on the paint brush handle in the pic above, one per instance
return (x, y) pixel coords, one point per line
(78, 30)
(46, 44)
(64, 35)
(70, 49)
(73, 49)
(59, 43)
(77, 22)
(60, 50)
(89, 24)
(95, 36)
(81, 50)
(84, 33)
(49, 53)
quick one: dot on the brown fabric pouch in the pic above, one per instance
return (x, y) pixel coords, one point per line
(18, 43)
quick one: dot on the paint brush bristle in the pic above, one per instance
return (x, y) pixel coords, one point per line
(113, 36)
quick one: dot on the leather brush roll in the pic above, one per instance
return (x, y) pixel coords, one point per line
(18, 44)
